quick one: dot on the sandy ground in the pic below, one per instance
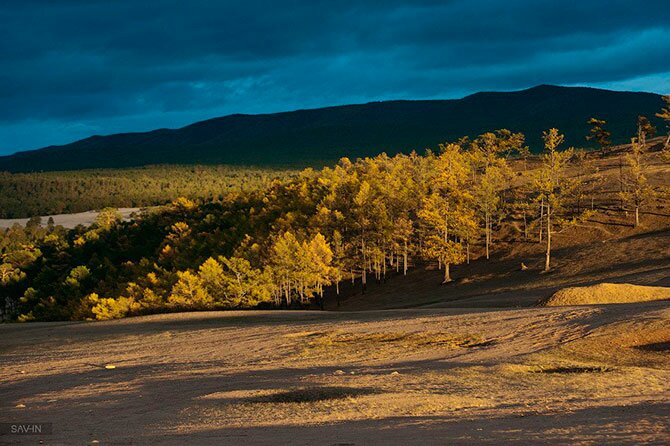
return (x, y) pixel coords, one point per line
(67, 220)
(560, 375)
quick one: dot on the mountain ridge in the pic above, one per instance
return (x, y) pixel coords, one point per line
(318, 135)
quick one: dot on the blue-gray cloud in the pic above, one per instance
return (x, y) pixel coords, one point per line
(73, 68)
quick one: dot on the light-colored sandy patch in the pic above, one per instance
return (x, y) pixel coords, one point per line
(351, 346)
(607, 293)
(68, 221)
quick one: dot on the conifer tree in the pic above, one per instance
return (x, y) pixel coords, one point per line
(645, 129)
(553, 184)
(241, 284)
(363, 204)
(637, 190)
(190, 292)
(491, 176)
(440, 211)
(403, 231)
(319, 269)
(488, 197)
(107, 217)
(210, 274)
(665, 115)
(339, 261)
(285, 258)
(598, 133)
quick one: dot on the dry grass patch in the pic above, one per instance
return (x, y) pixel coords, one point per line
(352, 345)
(404, 339)
(607, 293)
(639, 343)
(557, 368)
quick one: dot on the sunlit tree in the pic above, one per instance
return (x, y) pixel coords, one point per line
(637, 190)
(553, 183)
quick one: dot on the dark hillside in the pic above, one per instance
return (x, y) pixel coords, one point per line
(316, 136)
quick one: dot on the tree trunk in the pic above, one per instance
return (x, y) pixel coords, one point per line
(467, 251)
(541, 218)
(488, 233)
(287, 291)
(364, 277)
(447, 276)
(548, 257)
(637, 216)
(404, 255)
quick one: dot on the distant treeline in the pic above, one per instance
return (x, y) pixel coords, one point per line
(45, 193)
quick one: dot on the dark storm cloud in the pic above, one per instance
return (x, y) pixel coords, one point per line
(73, 68)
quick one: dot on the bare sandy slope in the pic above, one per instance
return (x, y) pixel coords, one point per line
(578, 375)
(67, 220)
(634, 257)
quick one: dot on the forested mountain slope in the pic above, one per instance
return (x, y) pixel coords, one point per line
(324, 135)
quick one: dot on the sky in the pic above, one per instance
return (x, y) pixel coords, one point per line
(70, 69)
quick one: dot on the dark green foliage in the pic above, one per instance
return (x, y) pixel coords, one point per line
(29, 194)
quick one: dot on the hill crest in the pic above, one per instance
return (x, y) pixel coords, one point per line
(321, 135)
